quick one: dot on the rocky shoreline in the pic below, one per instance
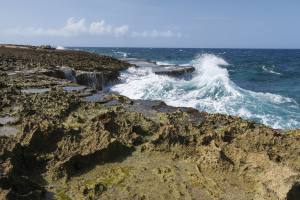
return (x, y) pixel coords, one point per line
(62, 140)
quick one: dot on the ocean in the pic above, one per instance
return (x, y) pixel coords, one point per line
(262, 85)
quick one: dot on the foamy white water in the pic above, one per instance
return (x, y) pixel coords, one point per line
(211, 90)
(163, 63)
(124, 55)
(60, 48)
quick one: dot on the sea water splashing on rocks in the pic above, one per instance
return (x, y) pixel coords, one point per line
(69, 73)
(210, 89)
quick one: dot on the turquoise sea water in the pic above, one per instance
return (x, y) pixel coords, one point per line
(261, 85)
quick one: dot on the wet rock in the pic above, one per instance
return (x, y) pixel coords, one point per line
(69, 73)
(92, 79)
(99, 97)
(96, 80)
(35, 90)
(174, 70)
(62, 72)
(170, 70)
(74, 88)
(140, 62)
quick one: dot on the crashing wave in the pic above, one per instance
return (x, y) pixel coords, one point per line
(123, 54)
(163, 63)
(60, 48)
(211, 90)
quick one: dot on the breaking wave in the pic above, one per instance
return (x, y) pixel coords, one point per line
(123, 54)
(162, 63)
(60, 48)
(210, 89)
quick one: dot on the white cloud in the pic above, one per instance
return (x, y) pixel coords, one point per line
(75, 27)
(121, 30)
(155, 33)
(103, 28)
(100, 28)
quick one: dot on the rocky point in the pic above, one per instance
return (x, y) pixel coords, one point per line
(63, 137)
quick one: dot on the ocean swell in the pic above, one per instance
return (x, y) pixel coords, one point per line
(210, 89)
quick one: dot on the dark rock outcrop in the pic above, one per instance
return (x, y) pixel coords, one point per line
(170, 70)
(174, 70)
(95, 80)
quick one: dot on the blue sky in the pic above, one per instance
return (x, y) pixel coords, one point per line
(152, 23)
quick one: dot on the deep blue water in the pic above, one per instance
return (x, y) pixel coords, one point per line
(257, 84)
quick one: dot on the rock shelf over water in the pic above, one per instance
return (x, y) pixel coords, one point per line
(170, 70)
(73, 142)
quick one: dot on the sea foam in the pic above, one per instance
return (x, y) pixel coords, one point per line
(210, 89)
(60, 48)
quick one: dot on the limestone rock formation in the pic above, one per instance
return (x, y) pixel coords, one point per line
(77, 144)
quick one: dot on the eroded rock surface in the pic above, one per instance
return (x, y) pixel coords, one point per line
(83, 144)
(169, 70)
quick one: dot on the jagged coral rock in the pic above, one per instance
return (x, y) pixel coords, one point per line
(69, 147)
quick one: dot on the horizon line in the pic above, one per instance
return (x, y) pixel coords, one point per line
(156, 47)
(254, 48)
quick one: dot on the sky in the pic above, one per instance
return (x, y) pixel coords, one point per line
(152, 23)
